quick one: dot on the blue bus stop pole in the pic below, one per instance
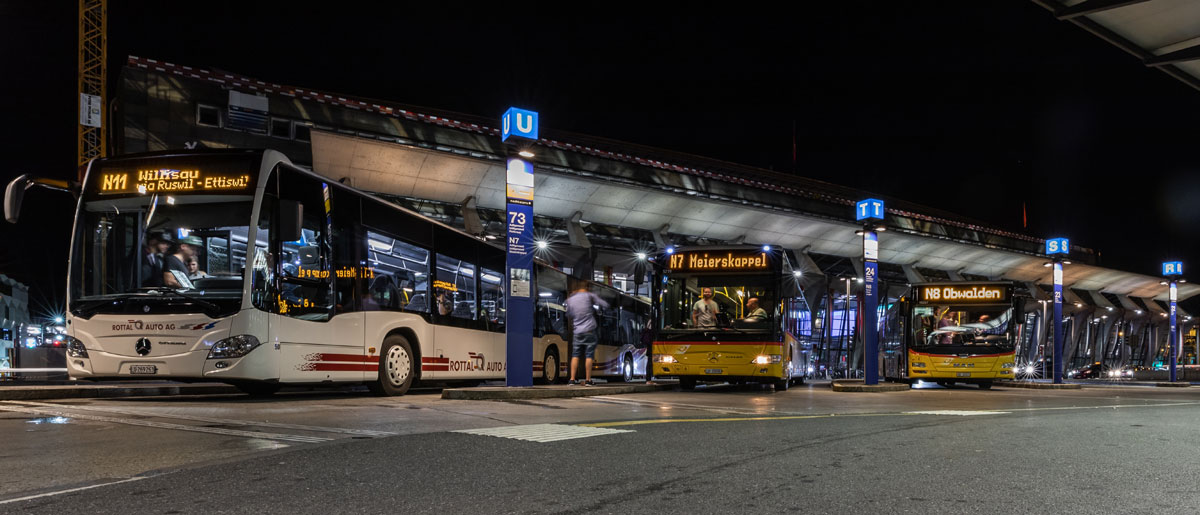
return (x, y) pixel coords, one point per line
(1058, 328)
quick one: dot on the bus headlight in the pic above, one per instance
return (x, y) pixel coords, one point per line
(75, 348)
(233, 347)
(664, 358)
(763, 359)
(1029, 370)
(918, 364)
(1008, 365)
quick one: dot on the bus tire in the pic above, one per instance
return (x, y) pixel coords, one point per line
(985, 385)
(627, 369)
(396, 367)
(784, 382)
(550, 369)
(258, 389)
(687, 383)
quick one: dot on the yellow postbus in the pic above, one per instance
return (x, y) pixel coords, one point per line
(956, 332)
(721, 317)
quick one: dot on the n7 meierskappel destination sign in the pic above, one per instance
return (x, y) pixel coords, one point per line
(719, 261)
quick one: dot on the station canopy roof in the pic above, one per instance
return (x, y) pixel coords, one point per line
(1163, 34)
(640, 199)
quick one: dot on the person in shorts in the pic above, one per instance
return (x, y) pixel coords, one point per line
(583, 346)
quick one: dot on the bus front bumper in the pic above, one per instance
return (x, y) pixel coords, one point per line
(719, 371)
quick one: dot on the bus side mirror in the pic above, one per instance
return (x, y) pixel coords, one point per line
(13, 196)
(15, 193)
(291, 216)
(1019, 310)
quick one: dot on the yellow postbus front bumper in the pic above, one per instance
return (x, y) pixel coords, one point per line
(983, 367)
(720, 361)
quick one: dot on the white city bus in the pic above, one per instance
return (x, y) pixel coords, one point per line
(299, 280)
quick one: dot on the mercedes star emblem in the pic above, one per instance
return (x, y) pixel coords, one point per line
(142, 346)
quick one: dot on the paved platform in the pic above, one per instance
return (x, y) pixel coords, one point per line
(1177, 384)
(859, 385)
(19, 392)
(1039, 385)
(497, 393)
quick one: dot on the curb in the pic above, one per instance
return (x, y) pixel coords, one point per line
(858, 385)
(499, 393)
(1174, 385)
(1042, 386)
(90, 392)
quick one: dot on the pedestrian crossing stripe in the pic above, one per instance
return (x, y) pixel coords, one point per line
(960, 413)
(543, 432)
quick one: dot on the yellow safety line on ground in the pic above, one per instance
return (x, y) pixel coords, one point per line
(735, 419)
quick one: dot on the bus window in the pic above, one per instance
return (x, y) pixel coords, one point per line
(454, 288)
(491, 298)
(304, 264)
(552, 293)
(399, 275)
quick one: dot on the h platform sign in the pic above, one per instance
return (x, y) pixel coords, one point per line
(519, 123)
(1058, 246)
(1171, 268)
(869, 209)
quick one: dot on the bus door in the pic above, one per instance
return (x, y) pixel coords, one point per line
(319, 331)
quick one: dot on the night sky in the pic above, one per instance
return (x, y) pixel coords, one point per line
(971, 107)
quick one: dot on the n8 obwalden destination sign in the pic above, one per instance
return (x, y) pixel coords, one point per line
(964, 293)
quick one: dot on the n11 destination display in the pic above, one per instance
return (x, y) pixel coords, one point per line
(169, 180)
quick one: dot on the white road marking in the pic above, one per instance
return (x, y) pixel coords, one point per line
(163, 425)
(232, 422)
(543, 432)
(960, 413)
(69, 490)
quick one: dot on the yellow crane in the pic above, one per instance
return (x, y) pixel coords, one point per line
(93, 44)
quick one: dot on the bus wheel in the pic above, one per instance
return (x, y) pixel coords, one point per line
(783, 383)
(985, 386)
(550, 366)
(395, 367)
(687, 383)
(258, 389)
(627, 370)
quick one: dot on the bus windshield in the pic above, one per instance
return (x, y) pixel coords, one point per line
(742, 302)
(169, 247)
(961, 328)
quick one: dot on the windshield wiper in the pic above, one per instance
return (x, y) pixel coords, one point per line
(208, 306)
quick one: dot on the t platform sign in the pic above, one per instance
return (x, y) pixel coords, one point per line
(870, 212)
(870, 209)
(520, 127)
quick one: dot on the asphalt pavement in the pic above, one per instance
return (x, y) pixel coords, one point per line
(716, 450)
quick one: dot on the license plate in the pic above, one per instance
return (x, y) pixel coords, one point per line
(143, 369)
(713, 371)
(964, 374)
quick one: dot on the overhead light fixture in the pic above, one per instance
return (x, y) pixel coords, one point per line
(797, 273)
(525, 153)
(1066, 262)
(641, 255)
(670, 250)
(880, 228)
(542, 244)
(1047, 264)
(766, 248)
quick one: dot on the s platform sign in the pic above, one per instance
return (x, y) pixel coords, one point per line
(1058, 246)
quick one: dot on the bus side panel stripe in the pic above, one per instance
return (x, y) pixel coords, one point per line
(344, 367)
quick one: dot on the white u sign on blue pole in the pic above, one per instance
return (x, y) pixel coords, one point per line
(519, 123)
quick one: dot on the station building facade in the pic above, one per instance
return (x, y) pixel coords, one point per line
(598, 202)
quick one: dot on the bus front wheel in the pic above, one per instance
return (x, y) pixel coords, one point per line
(395, 367)
(985, 386)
